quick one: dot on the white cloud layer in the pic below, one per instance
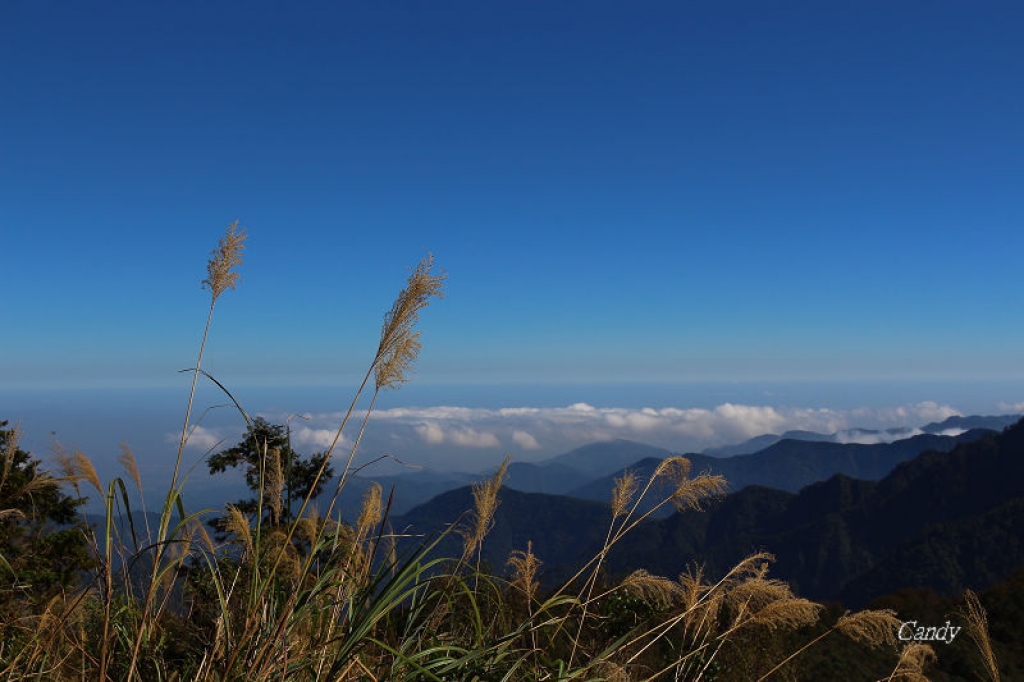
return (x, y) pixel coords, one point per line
(200, 438)
(316, 439)
(470, 438)
(525, 440)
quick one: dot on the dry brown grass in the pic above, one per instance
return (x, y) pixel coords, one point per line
(220, 270)
(525, 565)
(273, 484)
(914, 658)
(688, 493)
(399, 344)
(12, 438)
(485, 503)
(872, 627)
(977, 629)
(127, 460)
(651, 588)
(16, 497)
(371, 512)
(237, 525)
(623, 493)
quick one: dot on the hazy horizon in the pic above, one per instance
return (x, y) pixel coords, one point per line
(470, 429)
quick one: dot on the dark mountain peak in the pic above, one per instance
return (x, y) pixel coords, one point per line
(605, 457)
(994, 423)
(947, 520)
(744, 448)
(944, 520)
(758, 443)
(551, 477)
(813, 436)
(562, 529)
(791, 464)
(602, 446)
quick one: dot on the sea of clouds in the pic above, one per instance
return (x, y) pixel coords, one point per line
(473, 439)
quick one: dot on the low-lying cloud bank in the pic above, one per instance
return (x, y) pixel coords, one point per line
(473, 439)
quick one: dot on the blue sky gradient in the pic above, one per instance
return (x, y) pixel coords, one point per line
(659, 192)
(684, 223)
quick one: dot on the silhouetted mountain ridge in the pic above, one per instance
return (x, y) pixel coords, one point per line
(588, 471)
(791, 465)
(945, 520)
(941, 520)
(560, 528)
(866, 436)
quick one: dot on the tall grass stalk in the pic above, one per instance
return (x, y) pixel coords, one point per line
(221, 276)
(977, 629)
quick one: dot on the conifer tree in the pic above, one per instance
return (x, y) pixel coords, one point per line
(43, 549)
(270, 462)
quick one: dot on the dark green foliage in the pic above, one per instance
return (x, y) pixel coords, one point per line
(262, 441)
(42, 549)
(621, 612)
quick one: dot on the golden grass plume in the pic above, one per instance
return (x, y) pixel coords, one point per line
(771, 604)
(237, 524)
(623, 493)
(371, 512)
(874, 627)
(652, 588)
(692, 587)
(485, 503)
(127, 461)
(12, 437)
(87, 470)
(399, 344)
(228, 254)
(273, 484)
(76, 467)
(525, 566)
(977, 629)
(913, 660)
(688, 493)
(308, 527)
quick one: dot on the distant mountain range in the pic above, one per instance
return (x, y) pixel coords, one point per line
(787, 463)
(951, 517)
(941, 520)
(866, 436)
(557, 476)
(564, 473)
(793, 464)
(846, 522)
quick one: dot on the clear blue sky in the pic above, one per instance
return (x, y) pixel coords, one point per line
(618, 191)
